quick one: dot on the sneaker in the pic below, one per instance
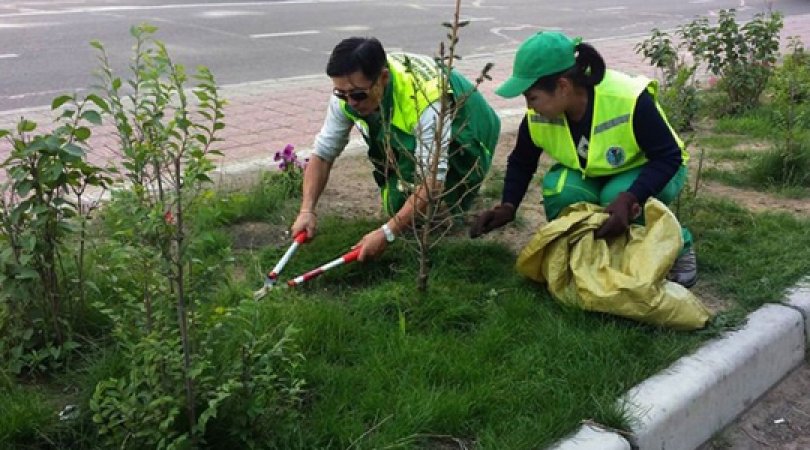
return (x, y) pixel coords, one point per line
(684, 271)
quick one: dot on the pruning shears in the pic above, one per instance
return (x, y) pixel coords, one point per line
(272, 276)
(348, 257)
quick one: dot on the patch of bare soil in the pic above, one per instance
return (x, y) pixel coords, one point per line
(351, 191)
(256, 235)
(756, 201)
(779, 420)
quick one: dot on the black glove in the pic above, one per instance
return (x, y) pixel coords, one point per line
(492, 219)
(622, 210)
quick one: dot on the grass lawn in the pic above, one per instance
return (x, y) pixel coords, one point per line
(484, 359)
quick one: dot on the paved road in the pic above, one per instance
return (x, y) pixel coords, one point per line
(44, 49)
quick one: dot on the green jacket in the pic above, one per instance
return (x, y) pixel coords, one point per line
(413, 86)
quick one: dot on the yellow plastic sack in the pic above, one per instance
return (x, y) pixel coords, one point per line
(625, 276)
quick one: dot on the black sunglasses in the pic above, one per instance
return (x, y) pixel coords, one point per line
(357, 95)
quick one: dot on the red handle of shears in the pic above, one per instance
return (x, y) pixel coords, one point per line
(351, 256)
(301, 237)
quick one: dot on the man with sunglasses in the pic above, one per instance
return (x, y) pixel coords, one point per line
(394, 101)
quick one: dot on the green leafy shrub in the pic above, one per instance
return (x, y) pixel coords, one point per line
(258, 372)
(177, 386)
(790, 87)
(43, 208)
(679, 88)
(788, 165)
(743, 57)
(247, 388)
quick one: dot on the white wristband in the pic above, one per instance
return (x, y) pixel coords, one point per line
(389, 235)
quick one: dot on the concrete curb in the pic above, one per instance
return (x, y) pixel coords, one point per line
(685, 405)
(590, 438)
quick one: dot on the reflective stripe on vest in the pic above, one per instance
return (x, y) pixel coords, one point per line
(612, 146)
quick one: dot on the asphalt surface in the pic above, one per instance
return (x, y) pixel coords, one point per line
(45, 51)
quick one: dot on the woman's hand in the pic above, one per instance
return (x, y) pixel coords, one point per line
(492, 219)
(622, 210)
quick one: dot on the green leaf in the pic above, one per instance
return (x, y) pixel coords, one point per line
(93, 287)
(203, 177)
(4, 133)
(55, 171)
(73, 150)
(24, 187)
(92, 116)
(27, 274)
(98, 101)
(26, 126)
(82, 133)
(96, 44)
(61, 100)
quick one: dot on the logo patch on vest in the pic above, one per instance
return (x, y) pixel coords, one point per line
(615, 156)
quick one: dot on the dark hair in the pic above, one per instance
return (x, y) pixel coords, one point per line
(588, 70)
(357, 53)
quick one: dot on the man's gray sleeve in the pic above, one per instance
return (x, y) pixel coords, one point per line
(425, 133)
(334, 134)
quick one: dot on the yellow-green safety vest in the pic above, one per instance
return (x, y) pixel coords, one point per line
(612, 146)
(416, 88)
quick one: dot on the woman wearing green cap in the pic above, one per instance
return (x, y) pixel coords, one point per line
(611, 140)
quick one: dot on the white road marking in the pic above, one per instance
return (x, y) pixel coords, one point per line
(501, 31)
(289, 33)
(8, 55)
(27, 25)
(218, 14)
(478, 19)
(611, 9)
(125, 8)
(34, 94)
(352, 28)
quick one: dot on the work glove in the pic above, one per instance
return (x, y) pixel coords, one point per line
(492, 219)
(622, 210)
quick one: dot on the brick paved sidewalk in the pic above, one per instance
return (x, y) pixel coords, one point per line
(262, 117)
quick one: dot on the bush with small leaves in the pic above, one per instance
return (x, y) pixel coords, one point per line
(43, 206)
(742, 56)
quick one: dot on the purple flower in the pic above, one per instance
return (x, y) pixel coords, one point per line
(288, 159)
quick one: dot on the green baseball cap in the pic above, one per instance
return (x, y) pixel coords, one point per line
(544, 53)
